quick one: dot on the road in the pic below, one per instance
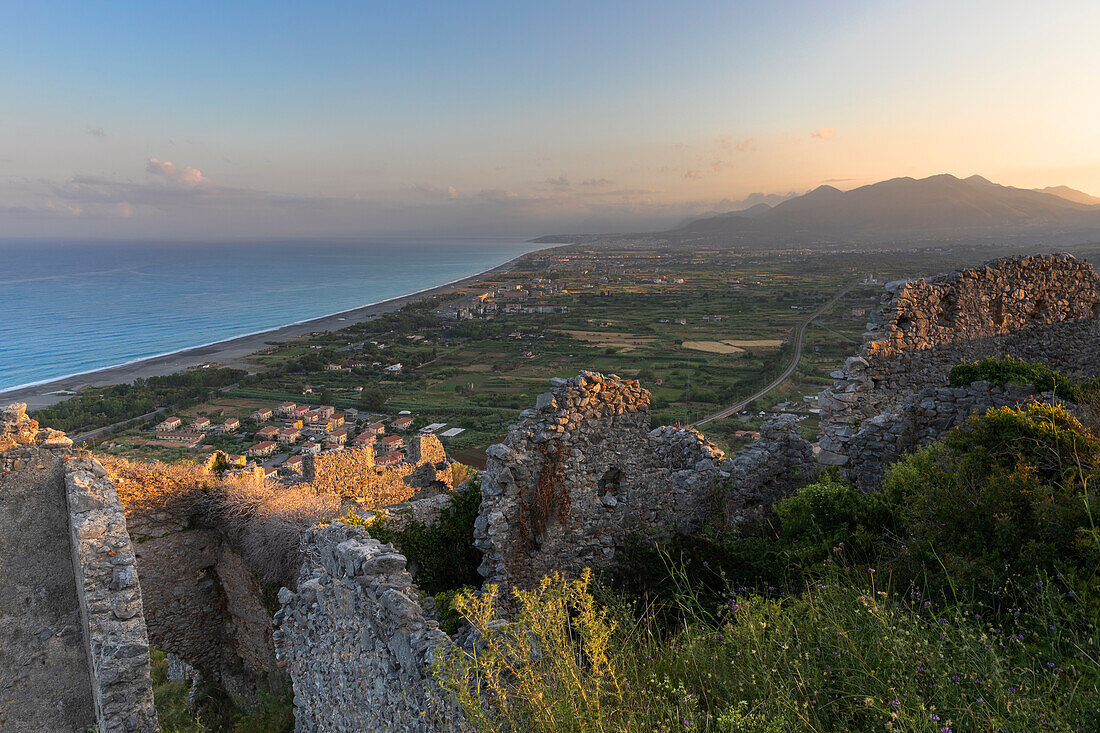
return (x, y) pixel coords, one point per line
(84, 437)
(799, 332)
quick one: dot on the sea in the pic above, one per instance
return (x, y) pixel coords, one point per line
(69, 308)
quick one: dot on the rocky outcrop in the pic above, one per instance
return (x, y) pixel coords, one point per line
(74, 653)
(356, 641)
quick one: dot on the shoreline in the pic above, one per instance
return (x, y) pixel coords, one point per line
(228, 352)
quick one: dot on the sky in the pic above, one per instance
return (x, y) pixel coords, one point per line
(235, 120)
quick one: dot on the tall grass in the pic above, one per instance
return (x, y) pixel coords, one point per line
(847, 654)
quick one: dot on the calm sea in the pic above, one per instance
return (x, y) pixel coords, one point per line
(71, 308)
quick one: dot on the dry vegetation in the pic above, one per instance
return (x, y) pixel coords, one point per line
(262, 519)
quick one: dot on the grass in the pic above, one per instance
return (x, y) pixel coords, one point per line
(213, 711)
(849, 653)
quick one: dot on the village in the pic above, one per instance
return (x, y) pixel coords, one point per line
(285, 432)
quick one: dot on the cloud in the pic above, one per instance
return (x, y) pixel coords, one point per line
(692, 175)
(97, 132)
(450, 192)
(561, 181)
(185, 176)
(824, 133)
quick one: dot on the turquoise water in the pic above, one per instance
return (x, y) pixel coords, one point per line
(70, 308)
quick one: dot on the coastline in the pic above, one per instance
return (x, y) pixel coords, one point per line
(229, 352)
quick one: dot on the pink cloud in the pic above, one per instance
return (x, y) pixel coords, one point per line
(186, 175)
(824, 133)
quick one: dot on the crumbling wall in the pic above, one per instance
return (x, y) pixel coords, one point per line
(582, 471)
(920, 419)
(356, 641)
(110, 600)
(765, 471)
(201, 603)
(73, 647)
(352, 473)
(1038, 308)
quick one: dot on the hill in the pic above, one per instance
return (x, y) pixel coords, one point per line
(941, 204)
(1070, 194)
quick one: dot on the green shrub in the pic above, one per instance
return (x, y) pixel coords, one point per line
(831, 518)
(443, 553)
(823, 523)
(1014, 371)
(842, 655)
(213, 709)
(1006, 499)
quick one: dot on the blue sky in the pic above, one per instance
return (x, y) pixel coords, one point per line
(249, 119)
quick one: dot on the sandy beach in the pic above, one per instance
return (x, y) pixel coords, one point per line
(229, 353)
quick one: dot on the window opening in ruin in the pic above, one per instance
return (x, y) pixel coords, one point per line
(609, 484)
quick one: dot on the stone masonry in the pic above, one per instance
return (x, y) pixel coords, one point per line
(582, 471)
(73, 647)
(920, 419)
(356, 641)
(1038, 308)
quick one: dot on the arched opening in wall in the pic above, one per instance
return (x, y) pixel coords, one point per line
(609, 482)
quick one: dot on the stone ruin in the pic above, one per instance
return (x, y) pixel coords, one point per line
(356, 640)
(583, 471)
(1039, 308)
(74, 654)
(205, 604)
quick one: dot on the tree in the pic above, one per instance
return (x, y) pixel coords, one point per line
(372, 399)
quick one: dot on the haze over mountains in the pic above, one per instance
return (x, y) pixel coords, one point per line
(937, 206)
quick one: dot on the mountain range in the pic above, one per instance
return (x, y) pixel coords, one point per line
(941, 205)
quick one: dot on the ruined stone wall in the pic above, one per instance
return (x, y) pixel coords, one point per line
(352, 473)
(1038, 308)
(201, 602)
(110, 600)
(356, 641)
(922, 418)
(73, 646)
(765, 471)
(582, 471)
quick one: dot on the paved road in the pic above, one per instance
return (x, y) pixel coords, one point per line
(795, 358)
(82, 437)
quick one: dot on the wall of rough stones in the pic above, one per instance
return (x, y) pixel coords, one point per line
(204, 604)
(352, 473)
(1038, 308)
(356, 641)
(582, 471)
(73, 647)
(920, 419)
(201, 603)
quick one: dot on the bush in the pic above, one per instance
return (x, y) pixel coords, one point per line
(1014, 371)
(829, 515)
(1007, 499)
(842, 655)
(443, 553)
(823, 523)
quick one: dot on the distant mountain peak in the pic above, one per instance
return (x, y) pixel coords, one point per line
(943, 204)
(1070, 194)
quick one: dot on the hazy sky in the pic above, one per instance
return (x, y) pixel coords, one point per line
(238, 119)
